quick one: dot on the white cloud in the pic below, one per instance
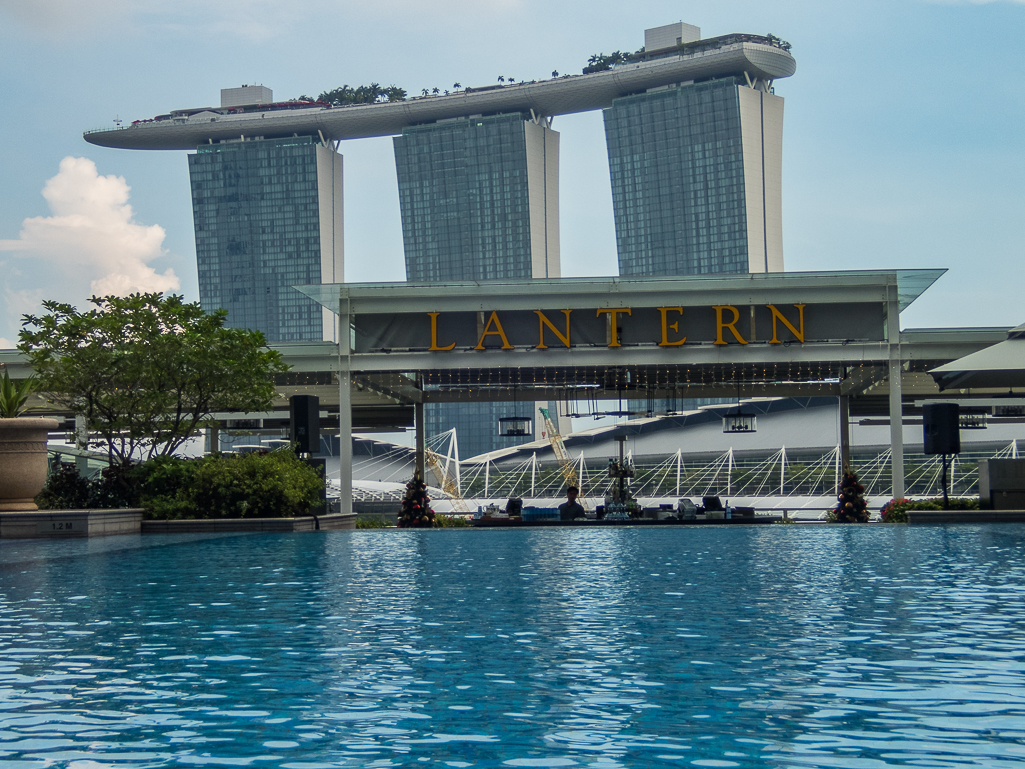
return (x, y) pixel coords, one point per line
(6, 344)
(16, 304)
(92, 234)
(63, 16)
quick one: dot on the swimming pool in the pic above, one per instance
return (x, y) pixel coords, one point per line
(742, 646)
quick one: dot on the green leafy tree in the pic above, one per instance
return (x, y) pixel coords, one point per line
(147, 370)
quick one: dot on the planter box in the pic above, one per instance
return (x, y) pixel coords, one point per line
(60, 524)
(966, 516)
(332, 522)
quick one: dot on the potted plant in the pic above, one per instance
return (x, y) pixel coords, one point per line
(22, 447)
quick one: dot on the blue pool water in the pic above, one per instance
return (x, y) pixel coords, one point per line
(741, 646)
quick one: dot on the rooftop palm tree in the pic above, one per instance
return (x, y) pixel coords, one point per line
(457, 86)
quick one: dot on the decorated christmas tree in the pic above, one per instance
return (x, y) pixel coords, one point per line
(852, 507)
(416, 512)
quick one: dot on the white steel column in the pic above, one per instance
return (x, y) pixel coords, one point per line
(344, 406)
(845, 432)
(896, 407)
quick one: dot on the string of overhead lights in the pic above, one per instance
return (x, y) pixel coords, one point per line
(632, 378)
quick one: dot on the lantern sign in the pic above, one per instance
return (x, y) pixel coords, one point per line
(739, 421)
(515, 426)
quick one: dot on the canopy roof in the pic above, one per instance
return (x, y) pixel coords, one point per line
(1000, 366)
(911, 284)
(845, 320)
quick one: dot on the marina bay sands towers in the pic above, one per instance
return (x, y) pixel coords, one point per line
(268, 216)
(694, 136)
(479, 199)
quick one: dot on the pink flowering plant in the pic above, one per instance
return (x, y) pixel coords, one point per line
(896, 510)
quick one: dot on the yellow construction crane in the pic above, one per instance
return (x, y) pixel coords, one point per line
(569, 470)
(447, 483)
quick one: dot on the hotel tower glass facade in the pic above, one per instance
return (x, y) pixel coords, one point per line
(479, 200)
(268, 215)
(696, 179)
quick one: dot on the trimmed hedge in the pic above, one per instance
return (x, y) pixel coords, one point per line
(257, 485)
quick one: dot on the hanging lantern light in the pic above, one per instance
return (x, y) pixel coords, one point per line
(738, 421)
(510, 426)
(515, 426)
(973, 421)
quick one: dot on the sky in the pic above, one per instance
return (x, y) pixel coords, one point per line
(902, 136)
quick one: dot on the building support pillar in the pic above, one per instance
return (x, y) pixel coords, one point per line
(344, 406)
(421, 439)
(845, 432)
(894, 373)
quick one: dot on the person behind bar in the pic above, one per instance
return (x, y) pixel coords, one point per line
(571, 509)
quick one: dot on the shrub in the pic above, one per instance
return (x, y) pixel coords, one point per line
(451, 521)
(371, 522)
(896, 510)
(116, 487)
(257, 485)
(65, 489)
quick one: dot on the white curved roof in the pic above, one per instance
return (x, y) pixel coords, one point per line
(559, 96)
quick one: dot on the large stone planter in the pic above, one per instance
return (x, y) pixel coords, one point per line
(23, 461)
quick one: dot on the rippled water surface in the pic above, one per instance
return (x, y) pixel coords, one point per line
(740, 646)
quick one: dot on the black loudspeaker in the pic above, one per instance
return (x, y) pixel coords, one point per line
(304, 424)
(942, 428)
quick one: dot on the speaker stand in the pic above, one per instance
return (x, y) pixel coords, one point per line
(946, 497)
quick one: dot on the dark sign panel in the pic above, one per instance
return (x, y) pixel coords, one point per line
(619, 327)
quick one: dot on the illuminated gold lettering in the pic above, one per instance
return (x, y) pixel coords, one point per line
(777, 315)
(499, 332)
(542, 322)
(732, 325)
(675, 326)
(434, 334)
(613, 313)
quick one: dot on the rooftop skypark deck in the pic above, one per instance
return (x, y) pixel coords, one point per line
(761, 59)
